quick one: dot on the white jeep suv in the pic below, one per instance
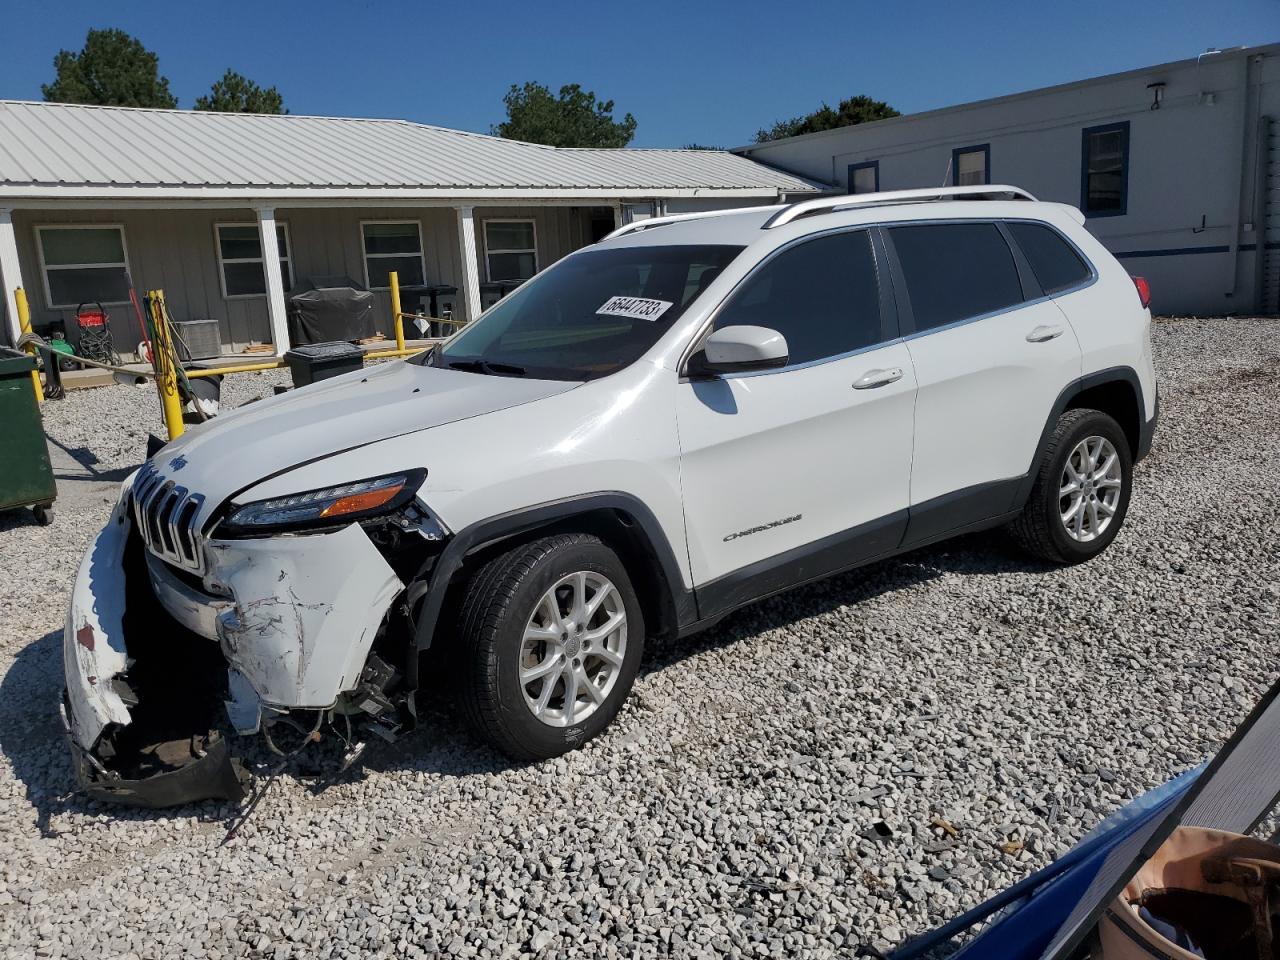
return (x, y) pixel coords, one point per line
(693, 414)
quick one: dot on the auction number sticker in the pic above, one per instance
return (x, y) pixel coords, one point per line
(638, 308)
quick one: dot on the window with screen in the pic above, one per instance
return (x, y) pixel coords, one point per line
(970, 166)
(240, 259)
(511, 249)
(821, 295)
(82, 264)
(955, 271)
(1054, 261)
(864, 177)
(391, 246)
(1105, 170)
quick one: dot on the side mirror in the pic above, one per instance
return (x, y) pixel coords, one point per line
(740, 349)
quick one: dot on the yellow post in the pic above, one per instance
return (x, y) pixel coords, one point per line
(162, 346)
(24, 326)
(397, 318)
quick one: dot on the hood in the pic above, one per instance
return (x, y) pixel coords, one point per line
(267, 437)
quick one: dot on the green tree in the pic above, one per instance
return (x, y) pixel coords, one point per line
(855, 110)
(574, 119)
(114, 69)
(236, 93)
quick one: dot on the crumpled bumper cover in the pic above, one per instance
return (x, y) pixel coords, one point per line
(213, 774)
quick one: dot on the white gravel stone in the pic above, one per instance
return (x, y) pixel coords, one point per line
(849, 763)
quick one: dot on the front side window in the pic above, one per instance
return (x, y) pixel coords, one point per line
(82, 264)
(955, 271)
(1104, 165)
(392, 246)
(510, 249)
(821, 295)
(864, 177)
(1054, 261)
(240, 259)
(971, 166)
(590, 315)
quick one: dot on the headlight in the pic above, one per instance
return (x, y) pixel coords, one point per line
(331, 505)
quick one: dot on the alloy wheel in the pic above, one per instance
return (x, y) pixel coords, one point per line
(1089, 490)
(573, 648)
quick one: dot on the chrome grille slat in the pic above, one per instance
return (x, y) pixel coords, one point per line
(166, 516)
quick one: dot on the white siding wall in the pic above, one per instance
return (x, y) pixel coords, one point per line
(1193, 160)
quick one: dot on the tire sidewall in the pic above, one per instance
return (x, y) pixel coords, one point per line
(542, 739)
(1094, 425)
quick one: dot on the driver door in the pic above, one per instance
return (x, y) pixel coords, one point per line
(793, 473)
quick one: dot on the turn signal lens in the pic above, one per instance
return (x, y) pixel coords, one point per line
(1144, 290)
(360, 502)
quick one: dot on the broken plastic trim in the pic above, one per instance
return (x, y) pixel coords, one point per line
(211, 774)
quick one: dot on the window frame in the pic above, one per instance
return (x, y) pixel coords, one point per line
(488, 266)
(223, 261)
(1031, 291)
(1121, 127)
(365, 255)
(984, 149)
(863, 165)
(890, 327)
(45, 268)
(1092, 271)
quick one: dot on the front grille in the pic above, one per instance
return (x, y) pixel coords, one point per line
(166, 517)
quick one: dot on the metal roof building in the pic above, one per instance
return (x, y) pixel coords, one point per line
(168, 194)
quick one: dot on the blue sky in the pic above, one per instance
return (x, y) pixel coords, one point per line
(711, 72)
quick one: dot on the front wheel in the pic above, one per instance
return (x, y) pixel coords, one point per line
(1081, 492)
(552, 634)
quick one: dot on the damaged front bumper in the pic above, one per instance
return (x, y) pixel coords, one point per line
(159, 669)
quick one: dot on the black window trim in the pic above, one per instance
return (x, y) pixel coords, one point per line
(1091, 279)
(873, 165)
(890, 322)
(906, 318)
(1085, 133)
(984, 149)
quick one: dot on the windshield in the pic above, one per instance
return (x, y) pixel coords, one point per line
(587, 317)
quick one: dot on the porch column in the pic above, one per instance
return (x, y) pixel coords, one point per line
(275, 283)
(10, 272)
(470, 271)
(617, 215)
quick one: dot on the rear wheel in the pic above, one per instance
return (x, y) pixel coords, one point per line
(1081, 491)
(552, 635)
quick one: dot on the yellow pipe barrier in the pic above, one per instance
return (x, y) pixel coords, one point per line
(397, 317)
(24, 327)
(167, 377)
(242, 368)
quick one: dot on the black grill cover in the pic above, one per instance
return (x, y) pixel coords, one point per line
(325, 309)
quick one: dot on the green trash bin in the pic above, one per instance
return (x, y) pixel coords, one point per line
(26, 476)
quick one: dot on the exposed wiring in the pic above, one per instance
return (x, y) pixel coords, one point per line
(308, 735)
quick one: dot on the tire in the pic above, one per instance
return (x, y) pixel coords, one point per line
(506, 626)
(1043, 528)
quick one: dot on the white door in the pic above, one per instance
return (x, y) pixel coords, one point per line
(990, 367)
(813, 458)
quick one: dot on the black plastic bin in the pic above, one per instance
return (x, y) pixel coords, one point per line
(319, 361)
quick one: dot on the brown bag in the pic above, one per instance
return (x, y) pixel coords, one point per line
(1222, 889)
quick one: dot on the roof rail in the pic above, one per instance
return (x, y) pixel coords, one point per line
(831, 204)
(637, 225)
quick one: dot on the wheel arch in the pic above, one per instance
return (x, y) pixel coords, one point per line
(619, 519)
(1117, 392)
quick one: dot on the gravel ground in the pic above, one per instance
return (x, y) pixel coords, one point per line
(774, 787)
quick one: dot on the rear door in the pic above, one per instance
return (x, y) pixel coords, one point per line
(991, 353)
(788, 474)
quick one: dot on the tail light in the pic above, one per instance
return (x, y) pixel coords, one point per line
(1144, 290)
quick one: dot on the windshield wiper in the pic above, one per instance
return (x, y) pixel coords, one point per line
(487, 366)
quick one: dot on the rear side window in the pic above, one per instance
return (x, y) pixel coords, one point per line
(821, 295)
(1056, 264)
(955, 271)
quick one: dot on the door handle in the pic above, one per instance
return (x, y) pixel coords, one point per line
(877, 378)
(1044, 332)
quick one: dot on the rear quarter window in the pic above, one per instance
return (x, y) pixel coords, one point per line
(955, 271)
(1055, 262)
